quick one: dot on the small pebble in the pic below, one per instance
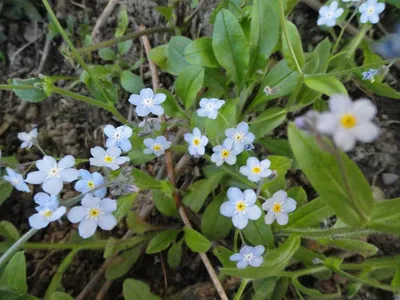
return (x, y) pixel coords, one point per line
(389, 178)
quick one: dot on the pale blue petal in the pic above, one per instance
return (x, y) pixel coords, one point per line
(243, 127)
(22, 186)
(108, 205)
(111, 142)
(240, 221)
(69, 175)
(97, 178)
(142, 110)
(37, 221)
(66, 162)
(249, 197)
(236, 257)
(279, 196)
(87, 228)
(213, 114)
(242, 264)
(270, 217)
(52, 185)
(267, 205)
(253, 212)
(36, 177)
(245, 170)
(46, 163)
(227, 209)
(147, 93)
(246, 250)
(85, 174)
(101, 192)
(256, 261)
(89, 201)
(113, 151)
(234, 194)
(258, 250)
(125, 145)
(201, 112)
(289, 205)
(57, 213)
(109, 130)
(135, 99)
(106, 221)
(81, 186)
(159, 98)
(98, 152)
(282, 218)
(231, 159)
(254, 177)
(41, 199)
(77, 214)
(157, 110)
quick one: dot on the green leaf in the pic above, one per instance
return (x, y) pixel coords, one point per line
(313, 292)
(354, 205)
(171, 105)
(137, 225)
(299, 194)
(200, 52)
(107, 54)
(386, 211)
(9, 231)
(175, 254)
(166, 11)
(162, 241)
(121, 264)
(259, 233)
(110, 247)
(137, 290)
(144, 181)
(295, 41)
(137, 157)
(281, 165)
(6, 189)
(124, 205)
(230, 46)
(394, 3)
(188, 84)
(323, 51)
(214, 225)
(274, 262)
(327, 85)
(310, 214)
(60, 296)
(176, 54)
(277, 146)
(122, 24)
(352, 245)
(195, 200)
(159, 55)
(214, 81)
(263, 288)
(379, 88)
(123, 47)
(131, 82)
(165, 205)
(264, 36)
(30, 95)
(223, 254)
(196, 241)
(7, 294)
(14, 275)
(267, 121)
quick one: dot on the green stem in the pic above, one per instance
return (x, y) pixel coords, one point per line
(49, 246)
(302, 272)
(344, 28)
(10, 251)
(286, 36)
(75, 53)
(357, 40)
(8, 87)
(241, 289)
(334, 233)
(235, 241)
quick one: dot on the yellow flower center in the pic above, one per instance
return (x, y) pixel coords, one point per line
(157, 147)
(91, 184)
(348, 121)
(196, 141)
(277, 208)
(240, 206)
(47, 213)
(225, 153)
(94, 212)
(256, 170)
(108, 159)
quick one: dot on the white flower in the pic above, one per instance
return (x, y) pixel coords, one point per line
(93, 212)
(16, 180)
(240, 136)
(147, 102)
(278, 208)
(118, 137)
(53, 174)
(241, 207)
(28, 138)
(48, 211)
(197, 142)
(249, 256)
(224, 153)
(110, 158)
(90, 181)
(255, 170)
(348, 121)
(329, 14)
(156, 146)
(370, 11)
(209, 107)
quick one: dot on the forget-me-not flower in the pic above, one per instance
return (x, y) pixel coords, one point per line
(370, 74)
(28, 139)
(241, 207)
(240, 136)
(90, 181)
(329, 14)
(197, 142)
(156, 146)
(16, 180)
(348, 121)
(47, 211)
(224, 153)
(209, 107)
(147, 102)
(249, 256)
(370, 11)
(110, 158)
(255, 169)
(93, 212)
(53, 174)
(118, 137)
(278, 208)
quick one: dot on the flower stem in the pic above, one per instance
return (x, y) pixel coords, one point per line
(235, 240)
(241, 289)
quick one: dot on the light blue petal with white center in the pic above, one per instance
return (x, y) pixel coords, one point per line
(159, 98)
(270, 217)
(109, 130)
(98, 152)
(108, 205)
(253, 212)
(157, 110)
(113, 151)
(236, 257)
(87, 228)
(36, 177)
(135, 99)
(57, 213)
(69, 175)
(46, 163)
(125, 145)
(89, 201)
(85, 174)
(246, 250)
(258, 250)
(249, 197)
(234, 194)
(147, 93)
(106, 221)
(37, 221)
(240, 221)
(77, 214)
(81, 186)
(227, 209)
(279, 196)
(243, 127)
(242, 264)
(231, 159)
(289, 205)
(256, 261)
(66, 162)
(52, 185)
(142, 110)
(282, 218)
(22, 186)
(97, 178)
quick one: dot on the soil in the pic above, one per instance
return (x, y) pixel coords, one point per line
(70, 127)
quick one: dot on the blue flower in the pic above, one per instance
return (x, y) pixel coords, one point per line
(47, 211)
(255, 170)
(93, 212)
(53, 174)
(370, 74)
(278, 208)
(110, 158)
(118, 137)
(224, 153)
(329, 14)
(370, 11)
(240, 136)
(147, 102)
(249, 256)
(241, 207)
(90, 181)
(16, 180)
(209, 107)
(197, 142)
(28, 138)
(156, 146)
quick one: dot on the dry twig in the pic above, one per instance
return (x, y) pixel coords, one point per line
(104, 16)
